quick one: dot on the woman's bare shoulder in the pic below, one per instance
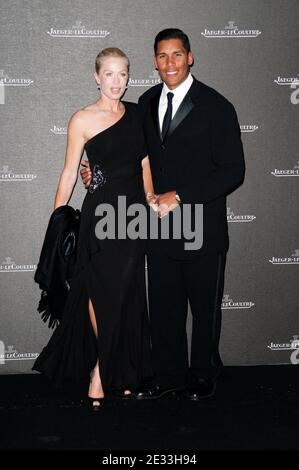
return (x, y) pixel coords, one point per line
(84, 113)
(81, 118)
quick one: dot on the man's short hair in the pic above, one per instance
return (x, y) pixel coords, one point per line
(172, 33)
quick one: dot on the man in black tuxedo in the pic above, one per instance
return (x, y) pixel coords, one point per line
(196, 157)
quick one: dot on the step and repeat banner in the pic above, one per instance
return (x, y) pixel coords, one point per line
(245, 49)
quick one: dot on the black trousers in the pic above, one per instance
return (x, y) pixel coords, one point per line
(171, 284)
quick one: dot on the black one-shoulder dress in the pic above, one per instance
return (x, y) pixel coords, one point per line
(110, 272)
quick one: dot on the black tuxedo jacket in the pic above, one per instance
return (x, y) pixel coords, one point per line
(201, 159)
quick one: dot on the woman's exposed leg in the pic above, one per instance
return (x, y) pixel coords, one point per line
(95, 386)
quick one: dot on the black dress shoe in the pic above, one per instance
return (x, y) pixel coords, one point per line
(154, 392)
(121, 395)
(201, 388)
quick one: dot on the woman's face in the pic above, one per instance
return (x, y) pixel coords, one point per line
(113, 77)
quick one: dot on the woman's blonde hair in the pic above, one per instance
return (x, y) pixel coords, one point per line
(109, 52)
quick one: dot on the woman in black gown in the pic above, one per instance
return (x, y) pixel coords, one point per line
(104, 328)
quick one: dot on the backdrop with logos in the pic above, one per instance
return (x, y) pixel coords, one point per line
(245, 49)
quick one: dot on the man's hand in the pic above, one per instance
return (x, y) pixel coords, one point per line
(85, 173)
(167, 202)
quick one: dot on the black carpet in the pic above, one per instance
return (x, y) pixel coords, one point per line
(253, 408)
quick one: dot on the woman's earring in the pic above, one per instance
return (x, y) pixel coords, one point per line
(99, 86)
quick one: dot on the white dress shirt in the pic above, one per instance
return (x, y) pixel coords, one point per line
(179, 94)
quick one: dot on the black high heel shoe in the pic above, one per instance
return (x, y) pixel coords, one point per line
(95, 404)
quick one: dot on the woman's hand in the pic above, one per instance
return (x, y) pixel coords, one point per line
(151, 197)
(152, 201)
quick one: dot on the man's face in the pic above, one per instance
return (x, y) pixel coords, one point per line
(172, 62)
